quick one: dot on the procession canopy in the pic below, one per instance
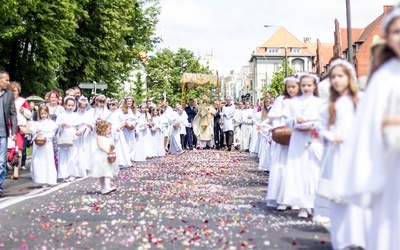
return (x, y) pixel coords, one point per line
(191, 80)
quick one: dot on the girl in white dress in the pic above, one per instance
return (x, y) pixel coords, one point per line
(43, 168)
(263, 126)
(347, 221)
(280, 152)
(176, 122)
(303, 164)
(101, 168)
(371, 168)
(147, 136)
(157, 132)
(84, 141)
(68, 159)
(129, 116)
(117, 126)
(98, 112)
(140, 140)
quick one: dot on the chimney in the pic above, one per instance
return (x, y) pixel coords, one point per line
(387, 8)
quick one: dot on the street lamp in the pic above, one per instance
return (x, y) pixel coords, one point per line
(349, 36)
(286, 59)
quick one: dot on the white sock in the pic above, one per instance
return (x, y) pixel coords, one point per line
(101, 181)
(107, 181)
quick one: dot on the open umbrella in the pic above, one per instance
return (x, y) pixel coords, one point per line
(34, 98)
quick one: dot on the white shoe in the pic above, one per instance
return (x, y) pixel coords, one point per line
(295, 208)
(108, 190)
(71, 178)
(281, 208)
(303, 213)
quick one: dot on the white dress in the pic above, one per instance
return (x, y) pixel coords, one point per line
(175, 139)
(121, 146)
(43, 168)
(139, 152)
(100, 167)
(279, 156)
(264, 142)
(84, 142)
(131, 119)
(347, 221)
(147, 135)
(68, 158)
(304, 155)
(158, 136)
(370, 172)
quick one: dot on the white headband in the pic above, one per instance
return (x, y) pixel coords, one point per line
(290, 78)
(345, 64)
(394, 13)
(307, 74)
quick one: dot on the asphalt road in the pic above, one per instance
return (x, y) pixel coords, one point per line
(198, 200)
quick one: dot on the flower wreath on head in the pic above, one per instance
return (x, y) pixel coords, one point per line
(290, 78)
(307, 74)
(99, 96)
(345, 64)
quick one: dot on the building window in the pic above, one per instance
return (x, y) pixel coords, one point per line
(263, 82)
(296, 50)
(273, 50)
(276, 67)
(298, 65)
(251, 84)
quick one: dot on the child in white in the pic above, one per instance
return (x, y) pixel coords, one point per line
(277, 172)
(101, 168)
(147, 136)
(129, 116)
(157, 132)
(84, 141)
(263, 128)
(347, 221)
(303, 165)
(43, 168)
(117, 125)
(176, 121)
(68, 160)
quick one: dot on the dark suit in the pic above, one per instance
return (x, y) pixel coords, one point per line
(34, 115)
(9, 112)
(190, 137)
(218, 132)
(10, 120)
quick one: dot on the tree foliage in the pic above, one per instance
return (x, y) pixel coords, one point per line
(277, 84)
(165, 69)
(48, 44)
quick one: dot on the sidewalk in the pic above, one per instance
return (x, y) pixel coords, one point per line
(22, 186)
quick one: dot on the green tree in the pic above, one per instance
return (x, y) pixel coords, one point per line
(165, 69)
(277, 85)
(33, 38)
(48, 44)
(108, 42)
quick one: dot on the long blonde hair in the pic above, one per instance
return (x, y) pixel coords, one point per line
(334, 95)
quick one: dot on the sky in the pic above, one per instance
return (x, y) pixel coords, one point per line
(232, 29)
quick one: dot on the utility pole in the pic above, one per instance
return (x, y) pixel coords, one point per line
(349, 35)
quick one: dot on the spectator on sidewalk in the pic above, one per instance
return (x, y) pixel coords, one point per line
(28, 138)
(7, 108)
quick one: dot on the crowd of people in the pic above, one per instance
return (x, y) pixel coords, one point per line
(339, 166)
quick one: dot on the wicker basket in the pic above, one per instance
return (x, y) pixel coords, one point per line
(281, 135)
(111, 157)
(40, 141)
(65, 142)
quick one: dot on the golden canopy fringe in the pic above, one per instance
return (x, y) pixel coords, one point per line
(191, 80)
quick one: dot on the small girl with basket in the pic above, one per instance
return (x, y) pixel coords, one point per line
(104, 165)
(43, 169)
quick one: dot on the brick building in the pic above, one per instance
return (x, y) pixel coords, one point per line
(362, 38)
